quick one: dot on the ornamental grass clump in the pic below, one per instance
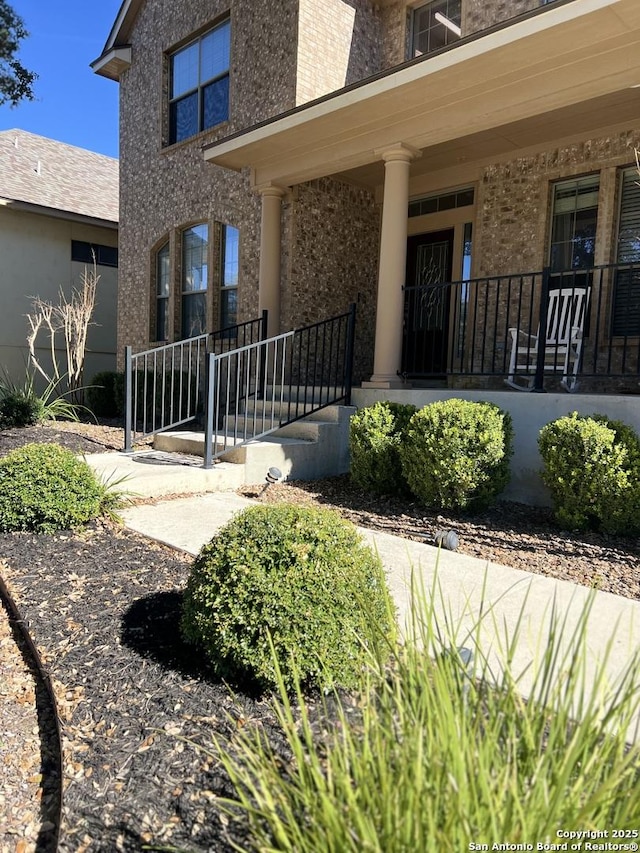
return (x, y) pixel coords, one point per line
(435, 754)
(592, 469)
(375, 435)
(21, 406)
(296, 578)
(45, 488)
(455, 454)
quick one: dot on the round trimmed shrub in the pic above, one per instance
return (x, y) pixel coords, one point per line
(20, 409)
(299, 576)
(105, 394)
(375, 435)
(455, 454)
(45, 488)
(592, 469)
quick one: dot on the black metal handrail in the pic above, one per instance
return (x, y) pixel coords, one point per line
(468, 328)
(256, 389)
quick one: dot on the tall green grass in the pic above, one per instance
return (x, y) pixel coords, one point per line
(434, 754)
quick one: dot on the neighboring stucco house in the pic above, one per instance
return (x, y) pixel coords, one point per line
(57, 204)
(300, 155)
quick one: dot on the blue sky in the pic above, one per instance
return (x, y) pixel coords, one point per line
(72, 103)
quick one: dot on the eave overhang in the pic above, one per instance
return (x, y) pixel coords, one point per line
(116, 54)
(113, 63)
(56, 213)
(576, 53)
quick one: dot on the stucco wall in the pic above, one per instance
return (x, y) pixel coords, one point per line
(36, 261)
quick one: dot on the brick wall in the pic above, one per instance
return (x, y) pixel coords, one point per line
(334, 261)
(164, 189)
(514, 218)
(339, 42)
(479, 14)
(513, 205)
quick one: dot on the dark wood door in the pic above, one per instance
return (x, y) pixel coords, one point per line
(427, 299)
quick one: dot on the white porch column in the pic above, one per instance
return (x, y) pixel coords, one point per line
(393, 259)
(270, 240)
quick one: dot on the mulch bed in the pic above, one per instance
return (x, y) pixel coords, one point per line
(103, 608)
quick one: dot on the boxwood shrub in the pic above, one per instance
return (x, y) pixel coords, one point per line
(592, 469)
(455, 454)
(45, 488)
(375, 434)
(298, 577)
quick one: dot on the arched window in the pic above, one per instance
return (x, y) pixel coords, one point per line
(229, 266)
(162, 293)
(195, 248)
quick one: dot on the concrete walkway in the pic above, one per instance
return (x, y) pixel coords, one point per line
(464, 588)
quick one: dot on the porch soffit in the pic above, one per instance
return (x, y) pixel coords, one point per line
(569, 69)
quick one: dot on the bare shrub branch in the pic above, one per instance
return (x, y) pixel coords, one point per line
(70, 317)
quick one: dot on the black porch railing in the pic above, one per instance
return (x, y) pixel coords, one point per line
(255, 390)
(528, 328)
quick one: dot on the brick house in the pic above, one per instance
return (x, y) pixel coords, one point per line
(302, 155)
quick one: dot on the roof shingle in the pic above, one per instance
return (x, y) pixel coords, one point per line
(41, 171)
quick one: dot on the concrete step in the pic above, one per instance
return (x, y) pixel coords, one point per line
(304, 450)
(153, 473)
(306, 429)
(284, 410)
(310, 394)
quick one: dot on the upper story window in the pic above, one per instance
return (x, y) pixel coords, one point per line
(199, 84)
(435, 25)
(86, 253)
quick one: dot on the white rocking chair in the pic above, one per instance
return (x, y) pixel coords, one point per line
(563, 346)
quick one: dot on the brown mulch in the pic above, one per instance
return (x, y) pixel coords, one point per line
(77, 437)
(134, 700)
(103, 607)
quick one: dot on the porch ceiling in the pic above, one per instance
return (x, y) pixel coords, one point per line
(565, 71)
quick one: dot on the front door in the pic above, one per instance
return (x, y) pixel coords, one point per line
(427, 298)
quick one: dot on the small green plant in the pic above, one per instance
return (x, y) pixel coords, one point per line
(298, 578)
(21, 405)
(45, 488)
(441, 751)
(19, 409)
(592, 469)
(375, 435)
(104, 394)
(455, 454)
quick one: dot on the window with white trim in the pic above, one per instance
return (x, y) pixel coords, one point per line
(199, 84)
